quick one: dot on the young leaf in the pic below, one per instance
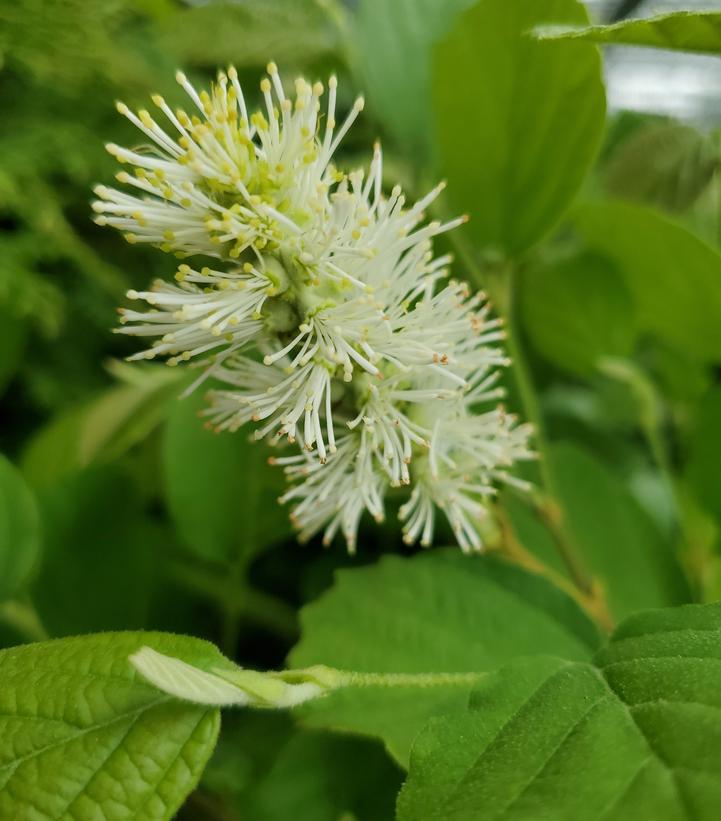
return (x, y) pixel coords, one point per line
(578, 310)
(221, 492)
(19, 530)
(619, 543)
(441, 612)
(672, 274)
(518, 121)
(636, 734)
(81, 736)
(683, 30)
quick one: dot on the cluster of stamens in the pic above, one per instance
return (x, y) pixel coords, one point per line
(324, 319)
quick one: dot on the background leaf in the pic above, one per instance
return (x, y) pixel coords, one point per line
(13, 332)
(674, 277)
(250, 33)
(19, 530)
(323, 777)
(683, 30)
(438, 612)
(704, 452)
(636, 735)
(101, 554)
(221, 492)
(666, 164)
(616, 539)
(102, 429)
(81, 736)
(392, 46)
(491, 81)
(578, 310)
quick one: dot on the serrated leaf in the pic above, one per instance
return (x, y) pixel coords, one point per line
(683, 31)
(441, 612)
(82, 737)
(673, 276)
(636, 734)
(19, 530)
(577, 311)
(221, 492)
(617, 541)
(518, 121)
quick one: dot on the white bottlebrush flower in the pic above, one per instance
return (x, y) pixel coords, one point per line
(325, 315)
(206, 310)
(220, 181)
(470, 455)
(334, 496)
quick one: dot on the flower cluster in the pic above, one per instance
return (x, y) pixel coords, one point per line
(322, 311)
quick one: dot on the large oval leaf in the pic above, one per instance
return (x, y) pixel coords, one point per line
(392, 48)
(518, 121)
(442, 612)
(82, 736)
(636, 735)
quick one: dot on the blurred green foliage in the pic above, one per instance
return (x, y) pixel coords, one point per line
(597, 237)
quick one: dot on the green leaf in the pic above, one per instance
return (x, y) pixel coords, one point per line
(674, 277)
(519, 122)
(665, 164)
(618, 542)
(392, 49)
(19, 530)
(322, 777)
(221, 492)
(441, 612)
(82, 737)
(704, 453)
(576, 311)
(635, 735)
(100, 554)
(249, 33)
(682, 31)
(104, 428)
(13, 332)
